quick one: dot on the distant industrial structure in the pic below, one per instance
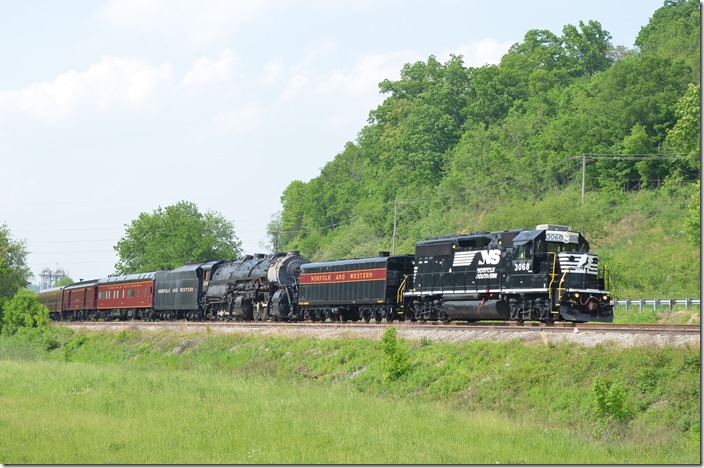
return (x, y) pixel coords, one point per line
(49, 278)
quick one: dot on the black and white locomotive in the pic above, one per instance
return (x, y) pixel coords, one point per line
(545, 274)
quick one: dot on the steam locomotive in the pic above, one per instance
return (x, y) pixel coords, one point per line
(249, 288)
(546, 274)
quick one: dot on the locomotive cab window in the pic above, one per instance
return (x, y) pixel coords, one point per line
(542, 246)
(525, 251)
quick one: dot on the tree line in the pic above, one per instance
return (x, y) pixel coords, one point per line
(451, 143)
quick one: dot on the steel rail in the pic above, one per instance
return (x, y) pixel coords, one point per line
(416, 326)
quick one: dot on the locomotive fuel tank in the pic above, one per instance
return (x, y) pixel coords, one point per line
(477, 310)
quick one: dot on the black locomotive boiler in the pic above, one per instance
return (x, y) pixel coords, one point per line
(255, 287)
(545, 274)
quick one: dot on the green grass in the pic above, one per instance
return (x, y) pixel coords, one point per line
(133, 397)
(57, 413)
(662, 315)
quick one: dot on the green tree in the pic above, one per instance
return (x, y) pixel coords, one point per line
(14, 272)
(588, 47)
(169, 237)
(692, 223)
(685, 137)
(65, 281)
(24, 311)
(674, 32)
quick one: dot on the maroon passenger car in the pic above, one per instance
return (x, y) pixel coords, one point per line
(79, 300)
(130, 296)
(51, 298)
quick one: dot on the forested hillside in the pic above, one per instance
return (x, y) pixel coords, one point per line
(455, 149)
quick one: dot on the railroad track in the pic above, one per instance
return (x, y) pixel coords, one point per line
(401, 327)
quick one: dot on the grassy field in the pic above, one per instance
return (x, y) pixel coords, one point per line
(662, 315)
(132, 397)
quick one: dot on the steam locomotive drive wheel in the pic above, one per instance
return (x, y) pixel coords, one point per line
(248, 310)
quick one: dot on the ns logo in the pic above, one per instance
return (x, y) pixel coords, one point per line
(490, 257)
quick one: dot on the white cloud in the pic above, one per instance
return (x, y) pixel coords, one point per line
(478, 54)
(126, 84)
(272, 72)
(238, 120)
(294, 87)
(115, 84)
(360, 81)
(366, 74)
(207, 71)
(201, 24)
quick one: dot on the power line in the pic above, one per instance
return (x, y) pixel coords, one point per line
(622, 157)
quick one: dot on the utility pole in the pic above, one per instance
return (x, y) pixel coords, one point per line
(584, 175)
(393, 249)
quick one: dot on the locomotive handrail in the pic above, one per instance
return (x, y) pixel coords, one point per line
(607, 277)
(552, 274)
(560, 288)
(399, 293)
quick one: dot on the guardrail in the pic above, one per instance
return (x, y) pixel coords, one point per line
(657, 303)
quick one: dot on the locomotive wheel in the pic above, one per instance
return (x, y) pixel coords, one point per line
(248, 310)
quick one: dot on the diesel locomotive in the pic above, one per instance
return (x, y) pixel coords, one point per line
(545, 274)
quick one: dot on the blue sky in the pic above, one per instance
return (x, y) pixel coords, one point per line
(113, 108)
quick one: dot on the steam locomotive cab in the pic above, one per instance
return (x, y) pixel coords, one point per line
(544, 274)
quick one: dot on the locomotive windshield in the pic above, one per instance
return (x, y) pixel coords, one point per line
(550, 246)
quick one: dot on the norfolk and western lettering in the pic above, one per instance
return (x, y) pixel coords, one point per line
(344, 276)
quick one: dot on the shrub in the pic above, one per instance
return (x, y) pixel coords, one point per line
(610, 400)
(24, 311)
(395, 355)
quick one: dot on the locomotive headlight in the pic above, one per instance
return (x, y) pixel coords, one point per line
(576, 294)
(606, 297)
